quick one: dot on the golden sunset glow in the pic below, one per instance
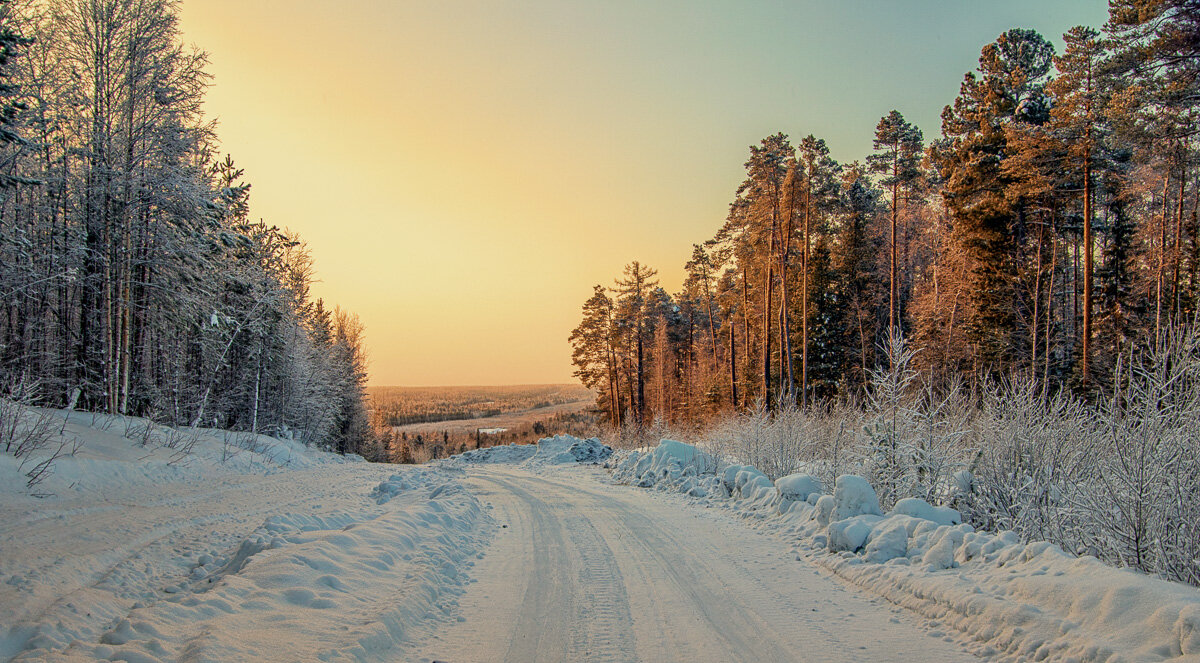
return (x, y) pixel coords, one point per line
(599, 330)
(464, 172)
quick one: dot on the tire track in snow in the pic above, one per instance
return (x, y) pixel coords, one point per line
(739, 629)
(600, 625)
(710, 589)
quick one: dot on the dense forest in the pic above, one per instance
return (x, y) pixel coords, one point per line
(132, 279)
(1048, 232)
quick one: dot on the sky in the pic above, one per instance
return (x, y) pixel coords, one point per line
(464, 171)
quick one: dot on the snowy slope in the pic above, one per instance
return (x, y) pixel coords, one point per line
(275, 552)
(1023, 601)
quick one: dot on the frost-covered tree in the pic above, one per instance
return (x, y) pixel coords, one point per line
(131, 278)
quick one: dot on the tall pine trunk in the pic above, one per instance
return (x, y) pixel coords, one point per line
(1087, 262)
(804, 266)
(733, 388)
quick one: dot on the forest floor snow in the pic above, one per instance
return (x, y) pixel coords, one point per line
(265, 550)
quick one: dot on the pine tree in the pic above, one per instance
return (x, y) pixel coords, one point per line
(1010, 88)
(593, 353)
(700, 285)
(757, 219)
(1159, 39)
(854, 264)
(1077, 117)
(817, 203)
(898, 153)
(633, 294)
(12, 44)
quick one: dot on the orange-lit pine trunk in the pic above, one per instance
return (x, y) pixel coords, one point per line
(1087, 262)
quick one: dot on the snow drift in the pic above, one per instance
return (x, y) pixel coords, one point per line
(240, 547)
(557, 450)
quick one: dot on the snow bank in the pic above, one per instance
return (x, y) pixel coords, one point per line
(332, 589)
(669, 466)
(1024, 601)
(557, 450)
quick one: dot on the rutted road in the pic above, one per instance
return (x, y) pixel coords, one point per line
(586, 571)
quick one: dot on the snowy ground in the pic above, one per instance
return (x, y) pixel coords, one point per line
(521, 554)
(1016, 601)
(588, 571)
(281, 554)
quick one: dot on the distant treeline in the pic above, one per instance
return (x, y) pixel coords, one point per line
(398, 406)
(421, 447)
(132, 280)
(1050, 228)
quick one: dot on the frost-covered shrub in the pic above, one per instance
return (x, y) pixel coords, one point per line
(815, 441)
(913, 439)
(1145, 491)
(1118, 478)
(1031, 463)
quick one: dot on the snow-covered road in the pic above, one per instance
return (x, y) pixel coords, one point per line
(584, 570)
(282, 553)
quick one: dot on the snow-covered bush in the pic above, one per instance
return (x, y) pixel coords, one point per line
(816, 441)
(1145, 491)
(915, 435)
(1118, 479)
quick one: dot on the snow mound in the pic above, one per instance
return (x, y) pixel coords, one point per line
(506, 454)
(398, 484)
(919, 508)
(671, 465)
(1026, 601)
(854, 496)
(557, 450)
(563, 449)
(797, 487)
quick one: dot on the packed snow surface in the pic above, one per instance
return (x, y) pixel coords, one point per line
(250, 548)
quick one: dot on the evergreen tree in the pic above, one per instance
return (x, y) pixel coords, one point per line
(12, 43)
(854, 264)
(757, 220)
(632, 315)
(817, 203)
(593, 353)
(898, 153)
(1009, 89)
(1077, 117)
